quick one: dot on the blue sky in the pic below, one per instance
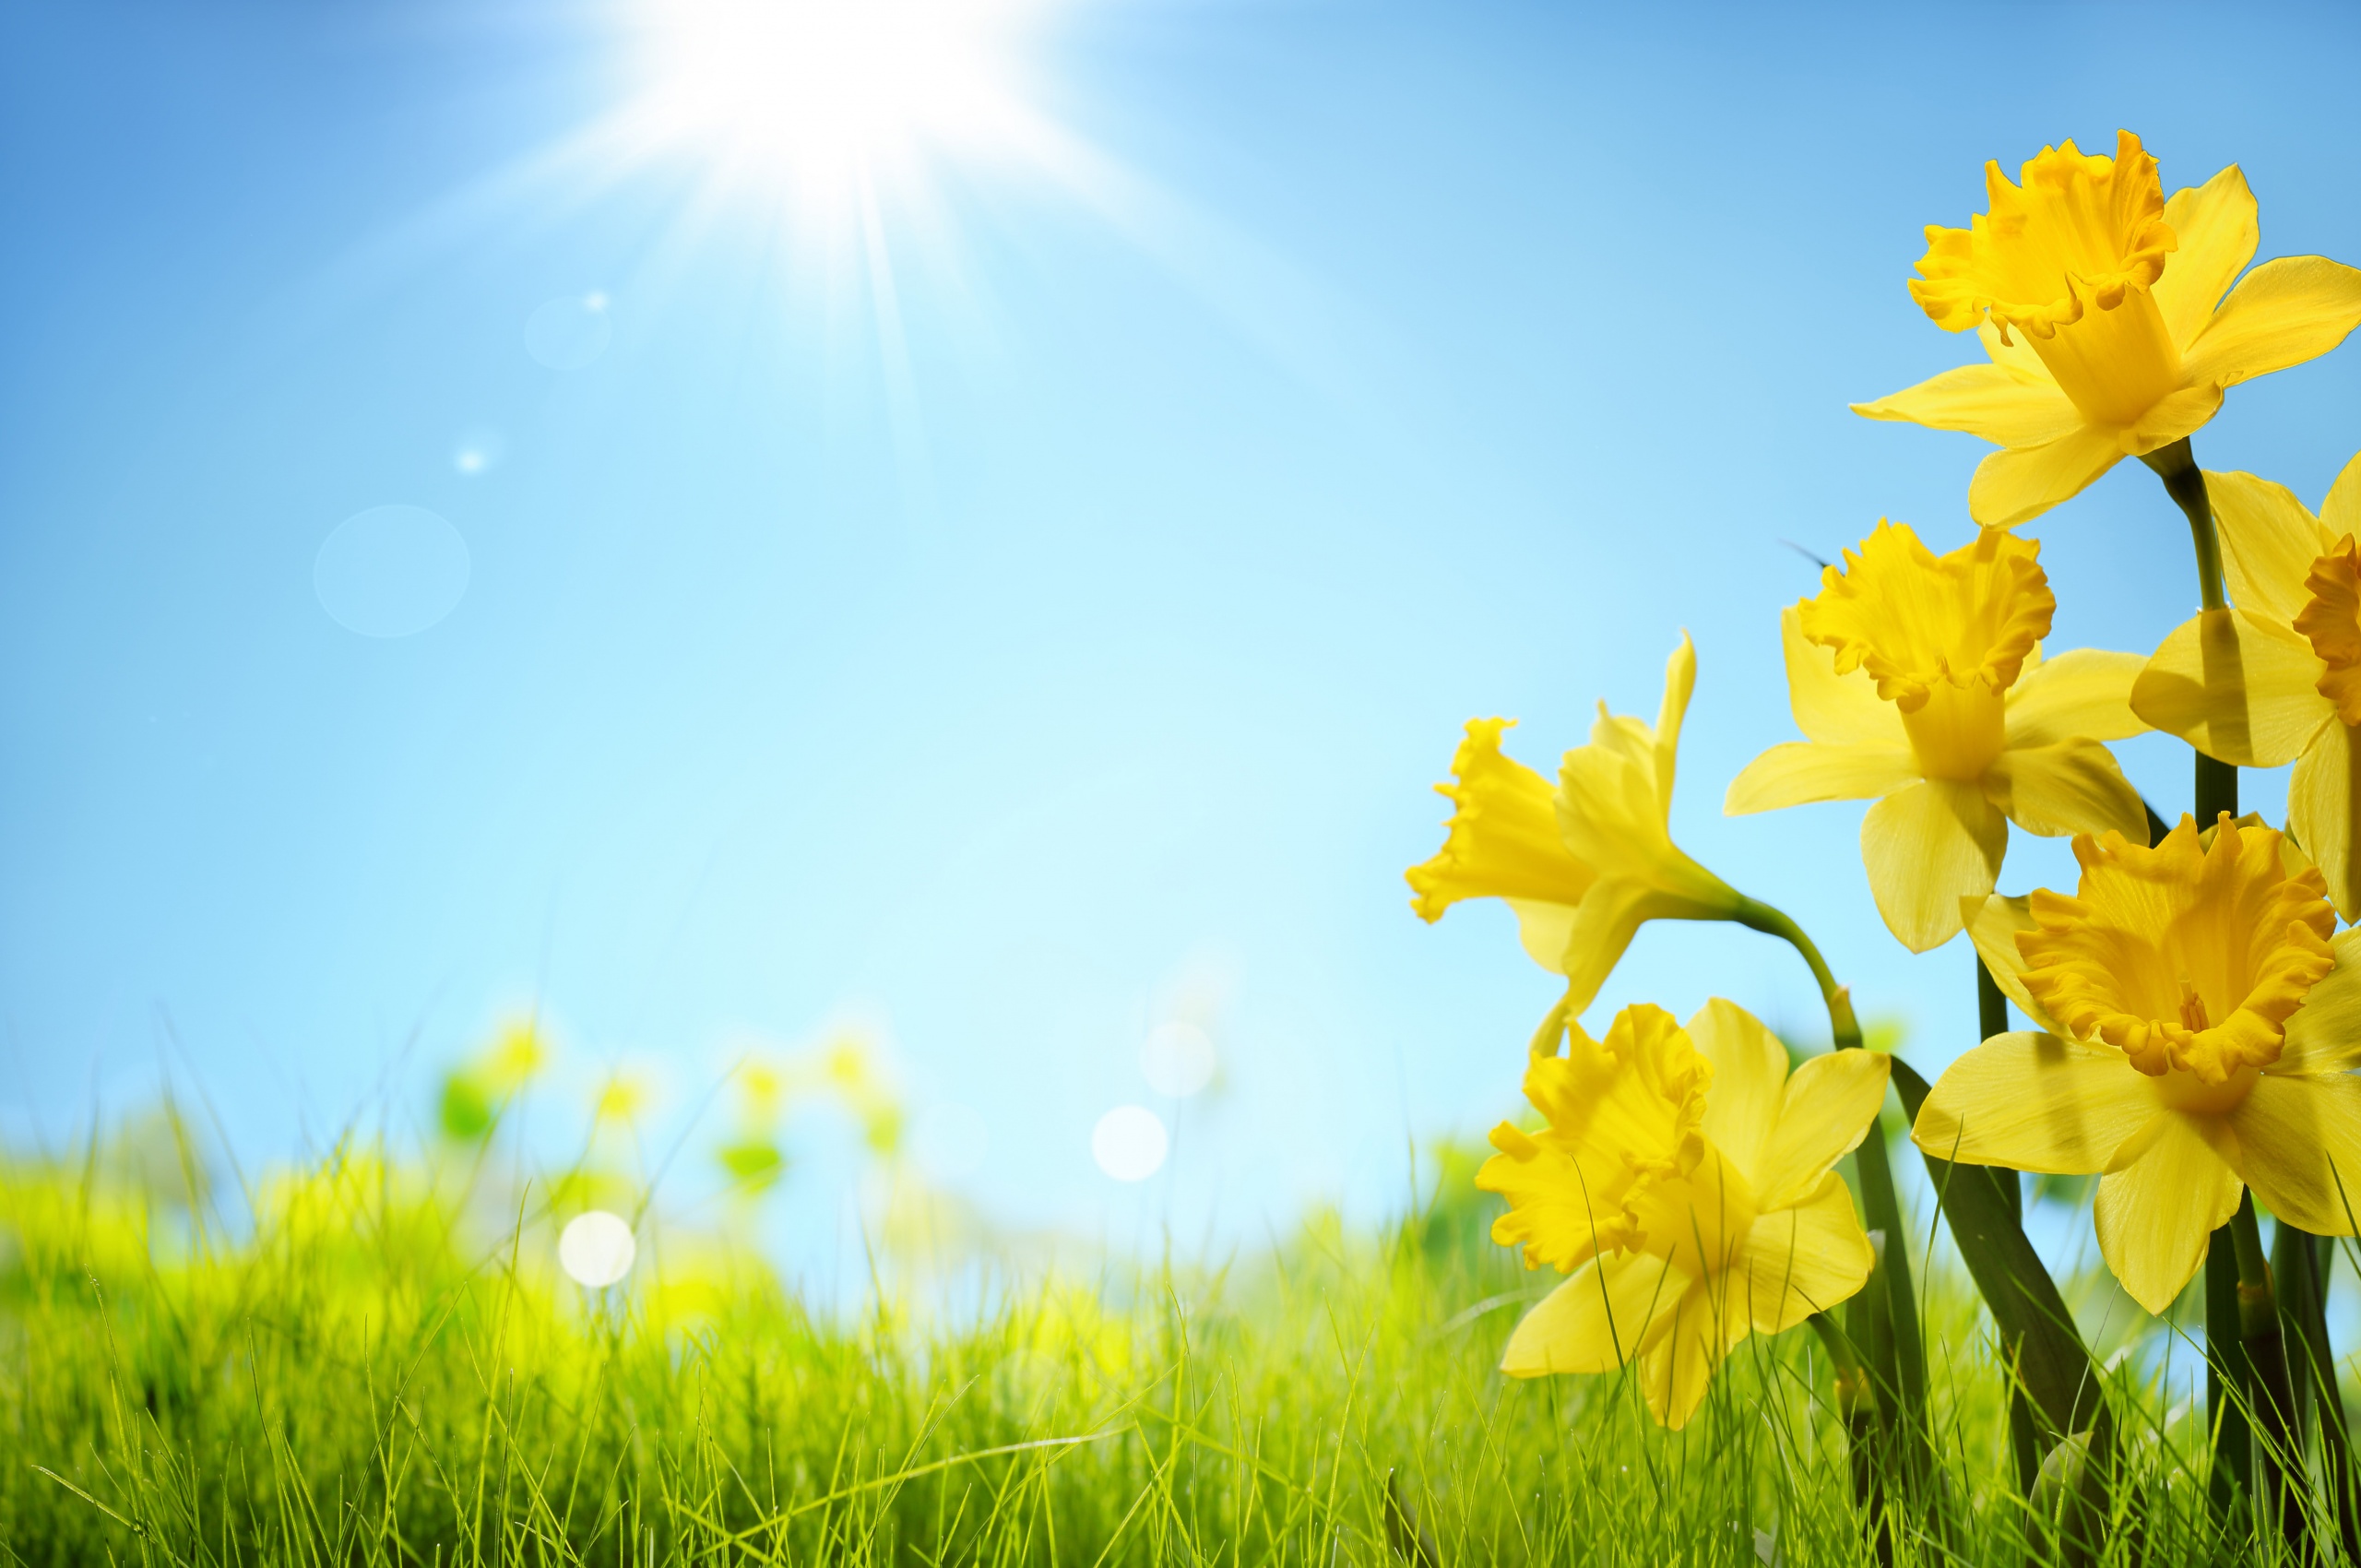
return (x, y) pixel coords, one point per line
(1033, 604)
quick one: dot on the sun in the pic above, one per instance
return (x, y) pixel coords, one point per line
(830, 92)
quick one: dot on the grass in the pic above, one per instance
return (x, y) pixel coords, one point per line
(378, 1364)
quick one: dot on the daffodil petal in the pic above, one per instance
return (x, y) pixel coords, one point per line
(2269, 543)
(2017, 353)
(1926, 847)
(2070, 787)
(1991, 401)
(2235, 687)
(2036, 1102)
(1609, 916)
(2017, 483)
(2324, 814)
(2299, 1148)
(2215, 225)
(2084, 692)
(1678, 1368)
(2341, 513)
(1615, 794)
(2154, 1216)
(1607, 1313)
(1836, 711)
(1827, 1109)
(1679, 680)
(1749, 1078)
(1992, 925)
(1803, 1259)
(2282, 312)
(2177, 413)
(1800, 772)
(1543, 930)
(2324, 1034)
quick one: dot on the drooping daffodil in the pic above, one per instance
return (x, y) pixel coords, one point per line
(2101, 308)
(2197, 1028)
(2277, 676)
(1919, 680)
(1582, 865)
(1684, 1182)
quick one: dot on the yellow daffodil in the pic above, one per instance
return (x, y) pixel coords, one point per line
(2278, 677)
(1684, 1182)
(1582, 865)
(2101, 307)
(1919, 680)
(2198, 1032)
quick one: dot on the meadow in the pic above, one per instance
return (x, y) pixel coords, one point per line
(372, 1358)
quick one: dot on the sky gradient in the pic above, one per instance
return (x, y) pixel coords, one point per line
(1024, 608)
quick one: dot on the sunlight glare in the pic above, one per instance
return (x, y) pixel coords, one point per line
(830, 88)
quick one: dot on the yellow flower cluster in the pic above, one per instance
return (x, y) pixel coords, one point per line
(2197, 1015)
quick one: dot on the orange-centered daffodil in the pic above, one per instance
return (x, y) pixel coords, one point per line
(2277, 676)
(2198, 1032)
(1684, 1182)
(1919, 680)
(2101, 307)
(1581, 866)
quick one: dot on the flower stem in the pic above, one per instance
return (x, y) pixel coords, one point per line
(2267, 1388)
(2185, 482)
(2229, 1362)
(2025, 1437)
(1901, 1352)
(2300, 1282)
(1755, 915)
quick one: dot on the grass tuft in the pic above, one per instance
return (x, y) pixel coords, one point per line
(375, 1367)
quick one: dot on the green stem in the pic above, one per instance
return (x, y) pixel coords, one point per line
(2268, 1391)
(1902, 1367)
(1756, 915)
(1856, 1403)
(2225, 1369)
(2301, 1279)
(2185, 482)
(2228, 1364)
(2025, 1437)
(2229, 1361)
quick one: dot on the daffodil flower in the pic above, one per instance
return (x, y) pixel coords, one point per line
(2102, 310)
(1684, 1182)
(2198, 1032)
(1919, 680)
(1582, 865)
(2278, 677)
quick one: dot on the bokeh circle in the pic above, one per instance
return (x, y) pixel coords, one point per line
(569, 332)
(391, 570)
(595, 1249)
